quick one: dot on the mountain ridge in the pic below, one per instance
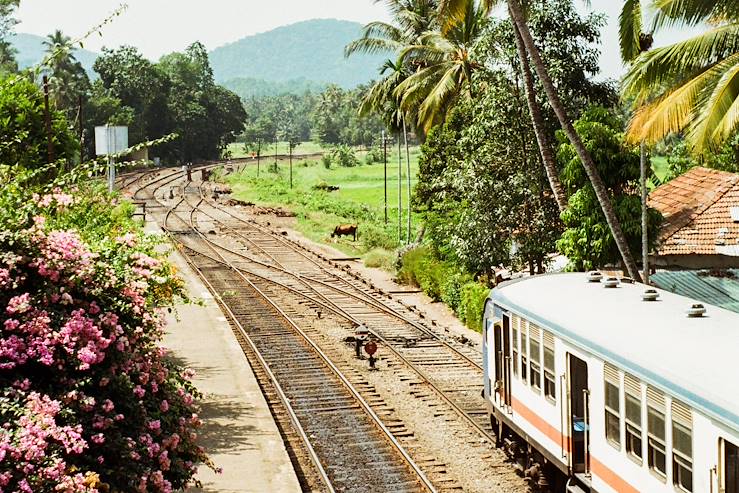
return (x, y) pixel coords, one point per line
(312, 50)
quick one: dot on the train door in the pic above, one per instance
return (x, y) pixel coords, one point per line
(579, 414)
(485, 358)
(503, 360)
(729, 468)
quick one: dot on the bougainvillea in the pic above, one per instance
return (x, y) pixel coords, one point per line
(88, 400)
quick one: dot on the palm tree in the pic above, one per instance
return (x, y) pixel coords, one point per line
(68, 78)
(452, 10)
(443, 67)
(634, 41)
(537, 120)
(691, 86)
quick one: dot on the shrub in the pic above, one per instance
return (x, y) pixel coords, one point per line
(472, 303)
(374, 155)
(81, 374)
(326, 161)
(451, 291)
(375, 236)
(344, 156)
(380, 258)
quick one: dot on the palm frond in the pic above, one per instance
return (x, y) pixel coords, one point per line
(673, 111)
(692, 12)
(667, 66)
(371, 46)
(439, 96)
(705, 132)
(630, 29)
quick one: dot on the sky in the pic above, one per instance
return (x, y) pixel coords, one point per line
(158, 27)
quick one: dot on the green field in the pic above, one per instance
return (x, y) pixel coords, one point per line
(237, 149)
(360, 199)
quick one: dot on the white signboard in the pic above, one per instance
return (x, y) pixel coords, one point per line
(110, 140)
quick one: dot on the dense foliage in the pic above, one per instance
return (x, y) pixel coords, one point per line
(88, 399)
(587, 242)
(330, 117)
(23, 127)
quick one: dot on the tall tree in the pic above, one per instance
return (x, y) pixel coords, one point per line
(68, 82)
(453, 8)
(7, 21)
(443, 67)
(140, 85)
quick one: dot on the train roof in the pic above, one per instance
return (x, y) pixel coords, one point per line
(692, 359)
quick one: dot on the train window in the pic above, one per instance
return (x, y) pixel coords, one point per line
(524, 351)
(514, 342)
(613, 405)
(632, 413)
(682, 446)
(550, 388)
(656, 448)
(534, 357)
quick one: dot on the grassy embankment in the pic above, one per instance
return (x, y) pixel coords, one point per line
(359, 200)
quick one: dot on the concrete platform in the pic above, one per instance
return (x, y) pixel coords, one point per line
(238, 430)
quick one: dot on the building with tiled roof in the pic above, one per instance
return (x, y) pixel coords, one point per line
(701, 228)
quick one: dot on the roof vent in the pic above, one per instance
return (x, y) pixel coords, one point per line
(696, 310)
(594, 276)
(734, 214)
(611, 282)
(650, 294)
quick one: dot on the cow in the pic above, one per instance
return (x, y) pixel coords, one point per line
(345, 230)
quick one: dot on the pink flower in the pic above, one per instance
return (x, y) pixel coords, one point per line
(154, 425)
(164, 406)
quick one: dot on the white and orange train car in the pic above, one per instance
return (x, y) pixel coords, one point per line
(593, 385)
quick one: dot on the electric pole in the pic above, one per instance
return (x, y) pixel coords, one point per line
(384, 159)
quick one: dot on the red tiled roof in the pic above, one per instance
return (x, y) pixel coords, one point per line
(697, 210)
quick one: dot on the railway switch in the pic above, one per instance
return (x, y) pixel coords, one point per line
(371, 348)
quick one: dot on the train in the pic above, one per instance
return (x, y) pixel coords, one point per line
(599, 384)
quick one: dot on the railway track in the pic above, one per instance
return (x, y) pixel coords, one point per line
(350, 447)
(283, 273)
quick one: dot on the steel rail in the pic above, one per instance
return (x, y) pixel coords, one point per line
(365, 406)
(428, 380)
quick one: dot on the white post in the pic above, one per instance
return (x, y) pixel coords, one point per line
(111, 174)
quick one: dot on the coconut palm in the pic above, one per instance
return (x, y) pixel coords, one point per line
(68, 78)
(412, 18)
(452, 9)
(633, 42)
(691, 86)
(443, 67)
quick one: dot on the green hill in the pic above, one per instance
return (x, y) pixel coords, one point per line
(30, 51)
(312, 50)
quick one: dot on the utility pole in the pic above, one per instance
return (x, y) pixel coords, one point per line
(644, 217)
(79, 121)
(400, 191)
(290, 154)
(384, 159)
(408, 177)
(259, 153)
(47, 114)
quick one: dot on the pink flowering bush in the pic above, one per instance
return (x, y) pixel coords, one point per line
(88, 400)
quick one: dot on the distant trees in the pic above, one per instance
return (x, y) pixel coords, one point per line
(23, 127)
(330, 117)
(178, 94)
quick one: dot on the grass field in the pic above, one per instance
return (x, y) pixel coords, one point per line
(237, 149)
(360, 200)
